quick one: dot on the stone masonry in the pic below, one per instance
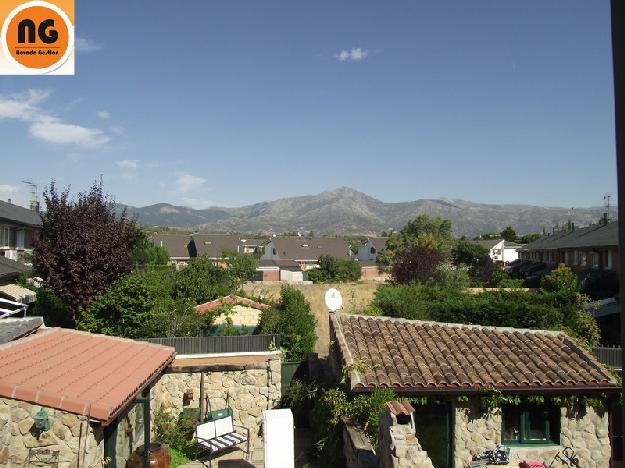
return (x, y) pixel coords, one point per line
(71, 440)
(398, 446)
(249, 392)
(584, 430)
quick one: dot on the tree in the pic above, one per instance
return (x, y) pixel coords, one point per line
(241, 266)
(202, 281)
(528, 238)
(468, 253)
(423, 231)
(332, 269)
(561, 280)
(508, 234)
(450, 276)
(146, 253)
(292, 319)
(124, 310)
(83, 247)
(415, 264)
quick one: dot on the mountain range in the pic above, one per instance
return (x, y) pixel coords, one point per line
(345, 211)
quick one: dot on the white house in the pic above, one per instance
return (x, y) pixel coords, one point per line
(500, 250)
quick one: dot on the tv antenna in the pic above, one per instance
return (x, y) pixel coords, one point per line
(34, 199)
(606, 203)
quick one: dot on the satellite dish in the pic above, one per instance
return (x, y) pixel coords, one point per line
(334, 301)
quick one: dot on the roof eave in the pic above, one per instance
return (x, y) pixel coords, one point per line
(532, 390)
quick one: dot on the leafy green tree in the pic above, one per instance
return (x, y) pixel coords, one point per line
(528, 238)
(146, 253)
(202, 281)
(335, 270)
(241, 266)
(423, 231)
(448, 276)
(508, 234)
(292, 318)
(501, 279)
(468, 253)
(83, 248)
(415, 264)
(560, 280)
(126, 309)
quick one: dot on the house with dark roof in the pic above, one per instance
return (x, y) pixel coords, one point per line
(368, 250)
(592, 247)
(481, 386)
(18, 228)
(306, 250)
(287, 271)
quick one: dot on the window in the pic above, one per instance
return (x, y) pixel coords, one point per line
(595, 259)
(530, 424)
(4, 236)
(372, 250)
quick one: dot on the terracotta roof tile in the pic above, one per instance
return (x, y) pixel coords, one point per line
(412, 354)
(79, 372)
(232, 299)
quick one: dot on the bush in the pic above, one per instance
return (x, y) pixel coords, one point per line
(561, 279)
(202, 281)
(449, 276)
(335, 270)
(176, 433)
(403, 300)
(292, 319)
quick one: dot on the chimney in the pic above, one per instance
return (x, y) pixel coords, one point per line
(573, 227)
(34, 206)
(605, 218)
(9, 200)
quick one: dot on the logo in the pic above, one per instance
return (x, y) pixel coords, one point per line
(38, 38)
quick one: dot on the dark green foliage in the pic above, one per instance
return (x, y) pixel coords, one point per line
(415, 264)
(528, 238)
(124, 310)
(423, 231)
(447, 276)
(83, 247)
(292, 319)
(51, 308)
(176, 432)
(335, 270)
(202, 281)
(561, 280)
(538, 310)
(147, 254)
(508, 234)
(241, 266)
(500, 279)
(600, 284)
(468, 253)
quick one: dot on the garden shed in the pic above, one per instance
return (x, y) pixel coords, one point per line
(69, 398)
(475, 387)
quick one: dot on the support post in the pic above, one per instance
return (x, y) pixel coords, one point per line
(618, 58)
(144, 399)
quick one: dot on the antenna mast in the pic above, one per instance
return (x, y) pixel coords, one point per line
(34, 198)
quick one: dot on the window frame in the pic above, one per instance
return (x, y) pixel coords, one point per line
(552, 433)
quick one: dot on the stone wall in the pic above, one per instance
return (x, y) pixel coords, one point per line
(357, 449)
(71, 440)
(356, 298)
(398, 446)
(240, 315)
(250, 391)
(581, 429)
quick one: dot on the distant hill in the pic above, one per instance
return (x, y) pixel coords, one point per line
(345, 211)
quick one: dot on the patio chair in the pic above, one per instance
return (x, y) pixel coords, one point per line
(219, 435)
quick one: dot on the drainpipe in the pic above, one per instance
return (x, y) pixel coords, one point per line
(618, 60)
(144, 399)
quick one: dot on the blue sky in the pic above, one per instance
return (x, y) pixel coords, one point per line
(234, 102)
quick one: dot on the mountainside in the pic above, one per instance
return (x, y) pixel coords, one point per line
(345, 211)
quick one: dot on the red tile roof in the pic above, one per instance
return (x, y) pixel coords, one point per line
(231, 300)
(78, 372)
(419, 356)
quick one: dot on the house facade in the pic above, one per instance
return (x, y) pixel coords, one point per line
(482, 386)
(592, 247)
(306, 250)
(500, 250)
(368, 250)
(18, 228)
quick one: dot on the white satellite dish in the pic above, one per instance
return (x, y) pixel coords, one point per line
(334, 301)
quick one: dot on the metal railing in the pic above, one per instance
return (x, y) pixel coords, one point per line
(219, 344)
(609, 356)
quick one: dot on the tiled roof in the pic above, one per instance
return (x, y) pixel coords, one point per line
(419, 356)
(231, 299)
(310, 248)
(19, 215)
(286, 264)
(177, 245)
(487, 243)
(78, 372)
(10, 269)
(215, 245)
(13, 328)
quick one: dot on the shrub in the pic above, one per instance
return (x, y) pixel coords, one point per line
(450, 276)
(292, 319)
(335, 270)
(202, 281)
(403, 300)
(561, 279)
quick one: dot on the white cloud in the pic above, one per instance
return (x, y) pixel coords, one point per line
(128, 163)
(188, 182)
(86, 46)
(43, 126)
(118, 130)
(355, 55)
(6, 189)
(104, 114)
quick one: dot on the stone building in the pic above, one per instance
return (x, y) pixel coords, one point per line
(69, 398)
(480, 387)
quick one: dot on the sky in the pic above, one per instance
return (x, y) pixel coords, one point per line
(229, 102)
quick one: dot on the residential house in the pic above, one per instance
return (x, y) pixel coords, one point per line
(500, 250)
(592, 247)
(71, 398)
(306, 250)
(18, 227)
(178, 247)
(455, 367)
(10, 270)
(367, 258)
(287, 271)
